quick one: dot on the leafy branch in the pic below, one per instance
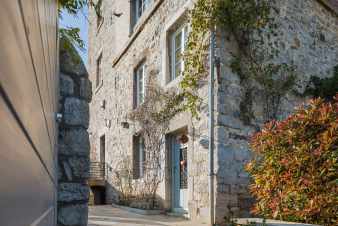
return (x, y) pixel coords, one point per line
(251, 25)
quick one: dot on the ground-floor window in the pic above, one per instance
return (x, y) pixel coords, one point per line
(138, 157)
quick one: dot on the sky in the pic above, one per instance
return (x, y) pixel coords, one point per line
(81, 22)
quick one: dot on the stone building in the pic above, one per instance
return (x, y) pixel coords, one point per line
(135, 39)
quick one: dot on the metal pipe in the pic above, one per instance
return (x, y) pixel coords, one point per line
(211, 127)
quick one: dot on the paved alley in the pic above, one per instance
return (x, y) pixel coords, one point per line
(111, 216)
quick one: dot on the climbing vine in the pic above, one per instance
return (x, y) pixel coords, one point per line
(251, 24)
(153, 123)
(325, 88)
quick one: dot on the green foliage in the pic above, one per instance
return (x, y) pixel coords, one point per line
(324, 88)
(250, 23)
(71, 35)
(295, 166)
(74, 6)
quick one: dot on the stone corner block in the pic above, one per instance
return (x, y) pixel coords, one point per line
(66, 85)
(74, 142)
(73, 215)
(76, 112)
(73, 192)
(85, 89)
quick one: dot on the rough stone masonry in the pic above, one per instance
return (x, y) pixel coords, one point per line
(310, 41)
(73, 141)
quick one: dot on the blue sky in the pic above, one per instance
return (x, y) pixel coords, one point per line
(81, 22)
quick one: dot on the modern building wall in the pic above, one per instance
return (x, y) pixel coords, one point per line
(28, 103)
(304, 23)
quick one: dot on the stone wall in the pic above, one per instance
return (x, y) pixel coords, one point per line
(73, 141)
(304, 23)
(310, 41)
(117, 92)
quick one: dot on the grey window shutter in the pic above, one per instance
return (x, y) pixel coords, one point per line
(136, 158)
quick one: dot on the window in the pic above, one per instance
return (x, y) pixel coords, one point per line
(98, 71)
(138, 8)
(138, 157)
(139, 85)
(99, 17)
(177, 45)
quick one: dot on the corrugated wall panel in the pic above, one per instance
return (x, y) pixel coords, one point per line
(26, 190)
(28, 103)
(19, 80)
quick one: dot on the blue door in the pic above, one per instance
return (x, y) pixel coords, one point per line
(179, 176)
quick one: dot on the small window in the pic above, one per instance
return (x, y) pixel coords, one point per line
(138, 157)
(98, 71)
(138, 8)
(99, 17)
(139, 85)
(177, 45)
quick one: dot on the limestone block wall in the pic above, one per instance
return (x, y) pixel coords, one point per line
(73, 141)
(310, 41)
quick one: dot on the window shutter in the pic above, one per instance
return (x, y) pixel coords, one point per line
(136, 158)
(135, 90)
(143, 149)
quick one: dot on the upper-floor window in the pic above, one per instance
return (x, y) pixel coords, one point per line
(177, 45)
(138, 8)
(99, 70)
(139, 85)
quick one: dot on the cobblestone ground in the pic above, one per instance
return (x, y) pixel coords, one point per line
(110, 216)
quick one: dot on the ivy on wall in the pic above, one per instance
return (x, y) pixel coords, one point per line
(325, 88)
(251, 25)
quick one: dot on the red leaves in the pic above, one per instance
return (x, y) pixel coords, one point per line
(295, 170)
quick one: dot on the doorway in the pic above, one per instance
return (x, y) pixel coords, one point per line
(179, 174)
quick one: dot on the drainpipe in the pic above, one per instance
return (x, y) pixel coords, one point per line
(211, 128)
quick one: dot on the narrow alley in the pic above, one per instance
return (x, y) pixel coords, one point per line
(111, 216)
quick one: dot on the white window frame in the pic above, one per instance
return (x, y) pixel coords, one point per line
(140, 84)
(174, 61)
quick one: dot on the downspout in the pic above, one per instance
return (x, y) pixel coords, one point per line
(211, 128)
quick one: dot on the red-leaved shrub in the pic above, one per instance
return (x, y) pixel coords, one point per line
(295, 168)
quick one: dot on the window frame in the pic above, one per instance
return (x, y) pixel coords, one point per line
(139, 8)
(99, 79)
(139, 91)
(183, 29)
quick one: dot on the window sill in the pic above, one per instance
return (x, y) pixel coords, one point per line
(173, 83)
(137, 30)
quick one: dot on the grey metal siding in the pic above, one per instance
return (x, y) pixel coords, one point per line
(29, 84)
